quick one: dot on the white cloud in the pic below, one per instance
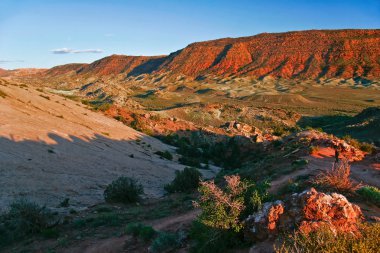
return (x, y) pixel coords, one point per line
(109, 35)
(74, 51)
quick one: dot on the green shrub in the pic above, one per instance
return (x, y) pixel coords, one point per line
(186, 180)
(120, 118)
(123, 190)
(166, 242)
(140, 230)
(367, 147)
(227, 208)
(102, 107)
(23, 218)
(221, 209)
(167, 155)
(219, 226)
(370, 193)
(104, 219)
(210, 240)
(363, 146)
(50, 233)
(189, 161)
(324, 240)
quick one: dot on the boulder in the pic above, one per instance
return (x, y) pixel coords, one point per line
(264, 223)
(306, 212)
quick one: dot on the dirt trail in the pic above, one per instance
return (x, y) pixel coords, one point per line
(127, 243)
(175, 222)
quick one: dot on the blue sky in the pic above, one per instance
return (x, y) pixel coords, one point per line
(45, 33)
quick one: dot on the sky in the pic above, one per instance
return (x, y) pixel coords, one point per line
(46, 33)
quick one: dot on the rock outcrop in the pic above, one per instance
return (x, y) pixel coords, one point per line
(306, 212)
(321, 139)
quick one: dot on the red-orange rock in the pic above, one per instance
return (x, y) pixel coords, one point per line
(307, 212)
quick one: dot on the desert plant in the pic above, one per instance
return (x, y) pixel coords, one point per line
(337, 178)
(166, 242)
(363, 146)
(166, 154)
(210, 240)
(141, 231)
(22, 219)
(222, 209)
(123, 190)
(324, 240)
(186, 180)
(370, 193)
(367, 147)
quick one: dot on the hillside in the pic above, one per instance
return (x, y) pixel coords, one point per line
(52, 148)
(312, 54)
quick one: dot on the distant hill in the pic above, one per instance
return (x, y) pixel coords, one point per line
(23, 72)
(312, 54)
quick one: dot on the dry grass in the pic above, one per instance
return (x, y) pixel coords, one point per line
(337, 178)
(324, 240)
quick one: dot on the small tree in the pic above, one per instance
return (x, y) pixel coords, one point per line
(222, 209)
(186, 180)
(123, 190)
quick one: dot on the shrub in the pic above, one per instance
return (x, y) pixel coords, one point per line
(324, 240)
(105, 219)
(222, 209)
(363, 146)
(140, 230)
(123, 190)
(189, 161)
(103, 106)
(210, 240)
(166, 242)
(167, 155)
(337, 178)
(186, 180)
(119, 118)
(367, 147)
(370, 193)
(23, 218)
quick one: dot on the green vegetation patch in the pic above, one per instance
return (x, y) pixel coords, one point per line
(370, 193)
(324, 240)
(140, 230)
(123, 190)
(186, 180)
(23, 219)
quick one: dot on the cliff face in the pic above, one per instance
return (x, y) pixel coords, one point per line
(116, 64)
(306, 54)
